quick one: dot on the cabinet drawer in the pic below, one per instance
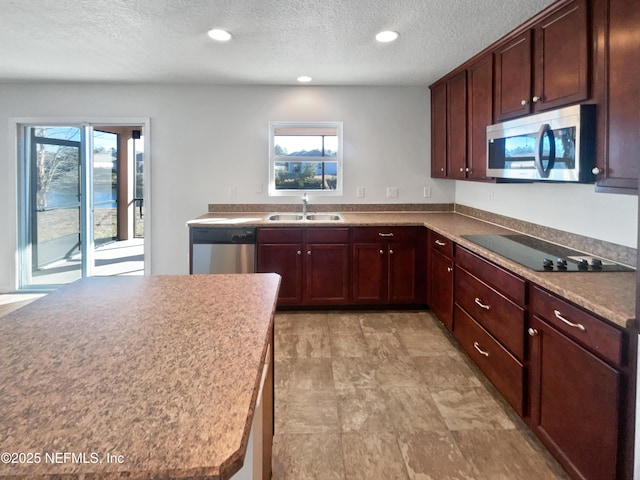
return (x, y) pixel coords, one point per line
(441, 244)
(506, 282)
(500, 367)
(580, 325)
(280, 235)
(327, 235)
(499, 315)
(393, 234)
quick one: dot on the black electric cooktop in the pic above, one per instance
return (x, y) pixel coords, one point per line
(543, 256)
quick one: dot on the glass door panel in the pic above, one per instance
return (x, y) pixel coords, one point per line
(105, 187)
(55, 203)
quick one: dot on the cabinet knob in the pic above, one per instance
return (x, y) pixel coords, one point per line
(449, 269)
(467, 169)
(596, 171)
(536, 99)
(461, 169)
(299, 252)
(532, 332)
(308, 252)
(390, 252)
(523, 102)
(442, 169)
(381, 252)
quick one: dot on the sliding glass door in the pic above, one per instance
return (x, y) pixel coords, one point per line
(77, 204)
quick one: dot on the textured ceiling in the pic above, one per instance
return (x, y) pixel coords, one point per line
(274, 41)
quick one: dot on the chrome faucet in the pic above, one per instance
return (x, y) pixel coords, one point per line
(305, 203)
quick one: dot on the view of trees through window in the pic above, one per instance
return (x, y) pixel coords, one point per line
(305, 157)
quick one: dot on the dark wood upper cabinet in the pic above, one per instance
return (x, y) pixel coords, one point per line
(617, 93)
(513, 78)
(439, 131)
(546, 66)
(457, 126)
(479, 115)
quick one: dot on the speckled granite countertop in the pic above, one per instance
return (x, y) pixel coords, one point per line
(610, 295)
(160, 372)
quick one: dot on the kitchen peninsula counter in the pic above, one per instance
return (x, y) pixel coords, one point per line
(135, 377)
(609, 295)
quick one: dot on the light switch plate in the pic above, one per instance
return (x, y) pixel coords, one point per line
(392, 192)
(427, 192)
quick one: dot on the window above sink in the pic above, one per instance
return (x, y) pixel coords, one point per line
(305, 157)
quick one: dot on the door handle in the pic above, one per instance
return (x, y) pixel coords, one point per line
(545, 130)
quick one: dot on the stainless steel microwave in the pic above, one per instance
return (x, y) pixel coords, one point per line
(558, 145)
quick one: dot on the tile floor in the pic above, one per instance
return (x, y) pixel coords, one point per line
(388, 395)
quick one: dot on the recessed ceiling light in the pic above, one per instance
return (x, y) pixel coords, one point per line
(304, 79)
(219, 35)
(387, 36)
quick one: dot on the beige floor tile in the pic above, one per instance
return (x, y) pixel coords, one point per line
(397, 372)
(473, 408)
(412, 409)
(377, 322)
(505, 455)
(344, 324)
(302, 345)
(414, 321)
(434, 456)
(442, 371)
(307, 457)
(357, 372)
(348, 345)
(372, 456)
(364, 410)
(303, 373)
(384, 345)
(425, 342)
(301, 322)
(307, 411)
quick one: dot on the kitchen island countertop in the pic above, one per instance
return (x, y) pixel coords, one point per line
(609, 295)
(134, 377)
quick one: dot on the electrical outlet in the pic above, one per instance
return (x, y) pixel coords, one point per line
(360, 192)
(427, 192)
(490, 197)
(392, 192)
(233, 192)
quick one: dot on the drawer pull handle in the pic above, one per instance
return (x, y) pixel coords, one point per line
(477, 347)
(480, 304)
(440, 243)
(559, 316)
(385, 234)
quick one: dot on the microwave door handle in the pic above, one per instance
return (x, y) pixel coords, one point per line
(545, 129)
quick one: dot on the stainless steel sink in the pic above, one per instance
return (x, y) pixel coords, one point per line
(284, 217)
(311, 217)
(324, 217)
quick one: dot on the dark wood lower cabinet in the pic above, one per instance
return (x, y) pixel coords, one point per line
(441, 285)
(286, 260)
(575, 404)
(327, 273)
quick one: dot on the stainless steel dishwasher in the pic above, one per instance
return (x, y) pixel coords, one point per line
(222, 250)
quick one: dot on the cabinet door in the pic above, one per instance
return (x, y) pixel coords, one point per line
(513, 78)
(479, 115)
(369, 272)
(561, 58)
(457, 126)
(285, 260)
(441, 281)
(575, 400)
(618, 94)
(327, 274)
(403, 263)
(439, 131)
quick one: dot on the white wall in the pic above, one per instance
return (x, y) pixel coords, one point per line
(207, 139)
(569, 207)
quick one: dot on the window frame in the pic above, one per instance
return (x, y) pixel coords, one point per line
(273, 159)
